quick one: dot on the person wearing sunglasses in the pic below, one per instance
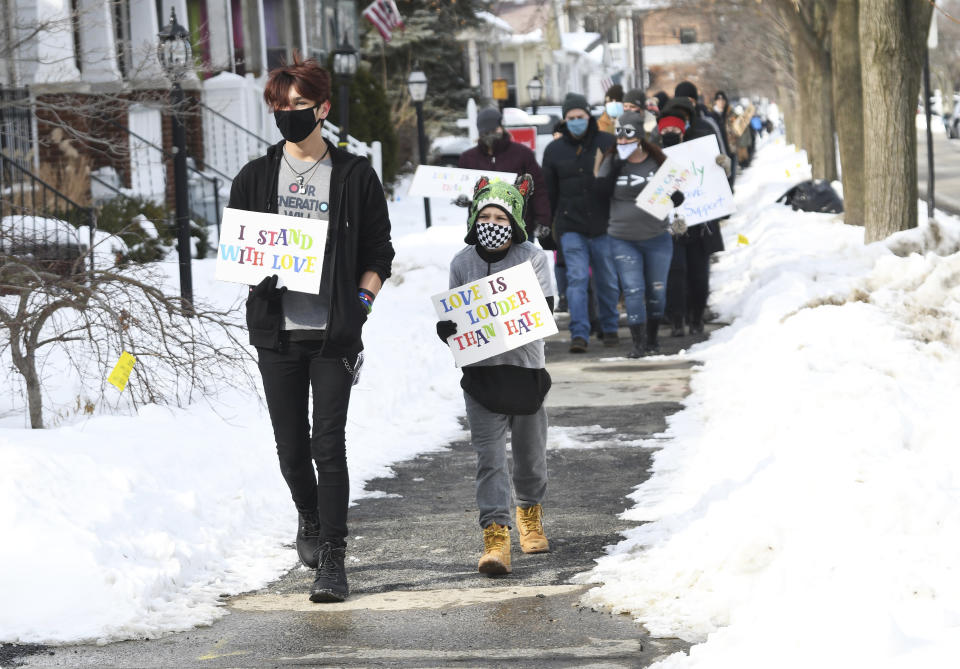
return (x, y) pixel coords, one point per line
(641, 243)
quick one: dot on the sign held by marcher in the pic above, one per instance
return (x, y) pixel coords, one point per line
(255, 245)
(708, 196)
(435, 181)
(495, 314)
(655, 196)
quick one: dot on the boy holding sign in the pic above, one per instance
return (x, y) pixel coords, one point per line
(505, 391)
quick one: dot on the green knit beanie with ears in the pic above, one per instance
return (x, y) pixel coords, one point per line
(511, 198)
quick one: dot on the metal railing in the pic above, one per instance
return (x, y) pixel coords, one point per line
(40, 222)
(16, 124)
(148, 179)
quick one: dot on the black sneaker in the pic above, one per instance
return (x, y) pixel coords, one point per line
(578, 345)
(330, 584)
(308, 539)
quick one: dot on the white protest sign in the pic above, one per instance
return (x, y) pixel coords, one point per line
(709, 196)
(655, 196)
(495, 314)
(434, 181)
(254, 246)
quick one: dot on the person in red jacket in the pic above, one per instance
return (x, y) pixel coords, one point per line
(496, 151)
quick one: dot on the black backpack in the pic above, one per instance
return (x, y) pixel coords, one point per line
(813, 195)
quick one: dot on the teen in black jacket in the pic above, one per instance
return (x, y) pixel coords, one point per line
(310, 343)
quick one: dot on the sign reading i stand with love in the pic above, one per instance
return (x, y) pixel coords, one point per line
(495, 314)
(255, 245)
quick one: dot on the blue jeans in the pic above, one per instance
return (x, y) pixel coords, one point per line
(582, 254)
(643, 268)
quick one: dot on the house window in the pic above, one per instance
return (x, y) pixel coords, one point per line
(121, 36)
(611, 35)
(688, 36)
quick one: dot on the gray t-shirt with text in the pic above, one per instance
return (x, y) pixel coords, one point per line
(303, 311)
(627, 220)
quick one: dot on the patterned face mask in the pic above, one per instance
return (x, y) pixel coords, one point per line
(492, 236)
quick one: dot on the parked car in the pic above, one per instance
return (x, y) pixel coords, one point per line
(952, 120)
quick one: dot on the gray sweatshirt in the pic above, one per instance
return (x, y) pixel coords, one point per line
(627, 220)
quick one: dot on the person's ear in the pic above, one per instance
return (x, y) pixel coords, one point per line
(324, 109)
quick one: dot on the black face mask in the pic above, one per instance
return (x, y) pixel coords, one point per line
(297, 124)
(672, 138)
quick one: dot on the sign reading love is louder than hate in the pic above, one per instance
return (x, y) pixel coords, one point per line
(655, 196)
(495, 314)
(709, 195)
(434, 181)
(255, 245)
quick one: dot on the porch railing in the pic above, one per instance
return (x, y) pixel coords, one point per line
(40, 222)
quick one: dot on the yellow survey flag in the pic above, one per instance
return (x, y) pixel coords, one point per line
(742, 240)
(121, 371)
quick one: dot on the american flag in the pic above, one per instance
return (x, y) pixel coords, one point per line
(385, 16)
(606, 82)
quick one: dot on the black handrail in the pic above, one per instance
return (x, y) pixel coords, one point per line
(234, 123)
(33, 243)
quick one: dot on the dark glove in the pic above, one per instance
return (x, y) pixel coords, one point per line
(445, 329)
(541, 231)
(267, 289)
(462, 201)
(677, 198)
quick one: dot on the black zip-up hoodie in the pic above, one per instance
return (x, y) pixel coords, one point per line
(358, 241)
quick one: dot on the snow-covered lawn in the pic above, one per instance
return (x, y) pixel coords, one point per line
(804, 509)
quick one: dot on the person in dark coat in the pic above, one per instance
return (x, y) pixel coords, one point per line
(688, 283)
(496, 151)
(309, 343)
(580, 220)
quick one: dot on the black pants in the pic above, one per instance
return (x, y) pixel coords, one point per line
(288, 377)
(688, 283)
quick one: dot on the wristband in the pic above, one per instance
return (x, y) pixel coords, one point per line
(367, 298)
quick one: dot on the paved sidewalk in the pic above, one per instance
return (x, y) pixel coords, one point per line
(417, 600)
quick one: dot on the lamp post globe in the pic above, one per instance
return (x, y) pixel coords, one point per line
(417, 87)
(535, 90)
(345, 62)
(176, 58)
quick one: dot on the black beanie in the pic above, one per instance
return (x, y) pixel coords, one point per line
(615, 92)
(685, 90)
(575, 101)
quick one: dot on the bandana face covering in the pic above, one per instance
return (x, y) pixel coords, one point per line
(296, 124)
(492, 236)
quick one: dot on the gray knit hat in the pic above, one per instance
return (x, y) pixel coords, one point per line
(575, 101)
(633, 120)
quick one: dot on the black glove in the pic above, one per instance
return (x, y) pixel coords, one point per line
(541, 231)
(445, 329)
(267, 289)
(677, 198)
(462, 201)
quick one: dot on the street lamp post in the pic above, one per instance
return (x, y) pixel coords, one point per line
(344, 67)
(175, 56)
(417, 85)
(535, 90)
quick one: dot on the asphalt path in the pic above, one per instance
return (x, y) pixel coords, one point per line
(416, 598)
(946, 169)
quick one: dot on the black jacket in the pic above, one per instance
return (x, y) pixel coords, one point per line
(568, 172)
(358, 241)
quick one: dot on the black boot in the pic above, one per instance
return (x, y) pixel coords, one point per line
(639, 335)
(308, 539)
(676, 328)
(696, 321)
(653, 338)
(330, 584)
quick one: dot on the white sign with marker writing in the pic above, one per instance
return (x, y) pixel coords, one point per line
(434, 181)
(707, 196)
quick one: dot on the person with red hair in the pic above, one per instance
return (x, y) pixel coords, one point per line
(311, 342)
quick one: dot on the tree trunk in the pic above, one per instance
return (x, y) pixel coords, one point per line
(848, 97)
(26, 364)
(817, 95)
(892, 38)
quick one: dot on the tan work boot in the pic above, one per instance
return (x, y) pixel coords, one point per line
(496, 550)
(530, 529)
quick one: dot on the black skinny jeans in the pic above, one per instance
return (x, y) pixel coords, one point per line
(688, 282)
(288, 377)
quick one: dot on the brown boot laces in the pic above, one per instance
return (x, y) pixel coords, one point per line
(495, 539)
(530, 520)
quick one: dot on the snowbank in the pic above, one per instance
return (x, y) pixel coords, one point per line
(805, 508)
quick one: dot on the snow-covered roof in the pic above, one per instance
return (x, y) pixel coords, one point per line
(531, 37)
(579, 41)
(495, 21)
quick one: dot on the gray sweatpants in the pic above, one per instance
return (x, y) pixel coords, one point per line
(528, 435)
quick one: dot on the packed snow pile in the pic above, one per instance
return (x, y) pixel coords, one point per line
(805, 506)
